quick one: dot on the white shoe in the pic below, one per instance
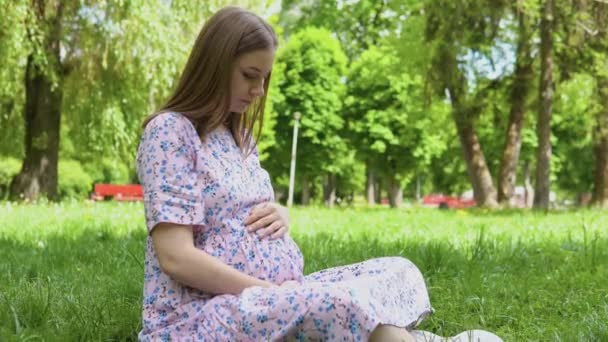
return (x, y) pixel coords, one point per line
(425, 336)
(465, 336)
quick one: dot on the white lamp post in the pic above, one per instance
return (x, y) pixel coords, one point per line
(294, 147)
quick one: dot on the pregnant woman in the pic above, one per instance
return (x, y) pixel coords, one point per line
(219, 263)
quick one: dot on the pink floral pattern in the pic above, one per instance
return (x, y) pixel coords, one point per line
(212, 186)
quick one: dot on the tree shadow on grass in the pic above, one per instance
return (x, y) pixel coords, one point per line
(72, 288)
(89, 286)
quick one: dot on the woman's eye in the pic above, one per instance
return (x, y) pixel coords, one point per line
(248, 76)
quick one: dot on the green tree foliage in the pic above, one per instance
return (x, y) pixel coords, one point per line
(131, 56)
(12, 47)
(313, 85)
(102, 65)
(424, 82)
(267, 138)
(387, 118)
(572, 134)
(357, 24)
(455, 30)
(9, 167)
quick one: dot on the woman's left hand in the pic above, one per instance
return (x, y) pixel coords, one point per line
(268, 219)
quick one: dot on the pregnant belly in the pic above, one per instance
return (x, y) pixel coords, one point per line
(271, 260)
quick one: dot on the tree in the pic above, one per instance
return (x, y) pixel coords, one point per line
(44, 75)
(572, 128)
(387, 120)
(11, 76)
(543, 163)
(453, 29)
(519, 93)
(600, 45)
(95, 69)
(357, 24)
(312, 85)
(581, 63)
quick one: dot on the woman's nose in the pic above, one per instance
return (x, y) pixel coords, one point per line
(258, 90)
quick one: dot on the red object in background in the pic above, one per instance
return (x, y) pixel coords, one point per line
(438, 200)
(127, 192)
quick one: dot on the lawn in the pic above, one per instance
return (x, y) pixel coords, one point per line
(74, 271)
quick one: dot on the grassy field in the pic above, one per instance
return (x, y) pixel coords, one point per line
(74, 271)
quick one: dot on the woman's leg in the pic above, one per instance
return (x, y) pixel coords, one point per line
(390, 333)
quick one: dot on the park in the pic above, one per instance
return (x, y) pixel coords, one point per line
(468, 137)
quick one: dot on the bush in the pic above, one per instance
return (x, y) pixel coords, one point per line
(9, 167)
(74, 182)
(108, 171)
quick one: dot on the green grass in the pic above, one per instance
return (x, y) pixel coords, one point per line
(74, 271)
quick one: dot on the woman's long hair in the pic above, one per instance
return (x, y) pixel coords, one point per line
(203, 91)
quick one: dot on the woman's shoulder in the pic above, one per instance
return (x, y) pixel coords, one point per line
(172, 124)
(170, 120)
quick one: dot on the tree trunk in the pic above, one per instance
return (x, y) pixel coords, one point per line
(418, 189)
(395, 192)
(378, 191)
(329, 190)
(43, 97)
(600, 186)
(305, 190)
(371, 199)
(519, 94)
(528, 188)
(543, 164)
(479, 174)
(477, 168)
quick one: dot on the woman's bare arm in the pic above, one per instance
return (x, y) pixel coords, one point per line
(182, 261)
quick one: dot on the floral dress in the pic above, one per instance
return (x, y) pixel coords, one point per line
(211, 186)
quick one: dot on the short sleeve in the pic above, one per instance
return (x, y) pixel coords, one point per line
(166, 168)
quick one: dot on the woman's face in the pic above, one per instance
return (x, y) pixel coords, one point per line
(248, 78)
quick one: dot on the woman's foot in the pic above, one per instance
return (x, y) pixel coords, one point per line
(465, 336)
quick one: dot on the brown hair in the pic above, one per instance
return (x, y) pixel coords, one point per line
(203, 91)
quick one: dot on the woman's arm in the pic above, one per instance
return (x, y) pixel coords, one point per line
(182, 261)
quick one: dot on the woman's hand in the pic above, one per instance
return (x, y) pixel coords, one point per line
(268, 219)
